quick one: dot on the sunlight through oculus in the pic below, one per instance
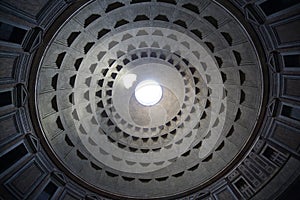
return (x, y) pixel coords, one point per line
(148, 93)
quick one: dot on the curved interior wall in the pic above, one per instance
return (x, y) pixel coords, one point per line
(265, 171)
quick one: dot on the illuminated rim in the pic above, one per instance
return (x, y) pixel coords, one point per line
(148, 93)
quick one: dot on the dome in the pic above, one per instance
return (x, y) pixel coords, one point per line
(144, 99)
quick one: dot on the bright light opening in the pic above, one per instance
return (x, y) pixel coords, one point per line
(148, 93)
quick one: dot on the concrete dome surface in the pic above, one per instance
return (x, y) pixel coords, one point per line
(149, 99)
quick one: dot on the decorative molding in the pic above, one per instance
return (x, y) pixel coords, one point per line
(60, 177)
(272, 107)
(252, 16)
(33, 39)
(34, 142)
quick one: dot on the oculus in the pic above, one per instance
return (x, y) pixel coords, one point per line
(148, 92)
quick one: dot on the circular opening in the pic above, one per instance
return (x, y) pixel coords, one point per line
(148, 93)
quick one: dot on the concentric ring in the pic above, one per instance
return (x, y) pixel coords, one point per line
(210, 76)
